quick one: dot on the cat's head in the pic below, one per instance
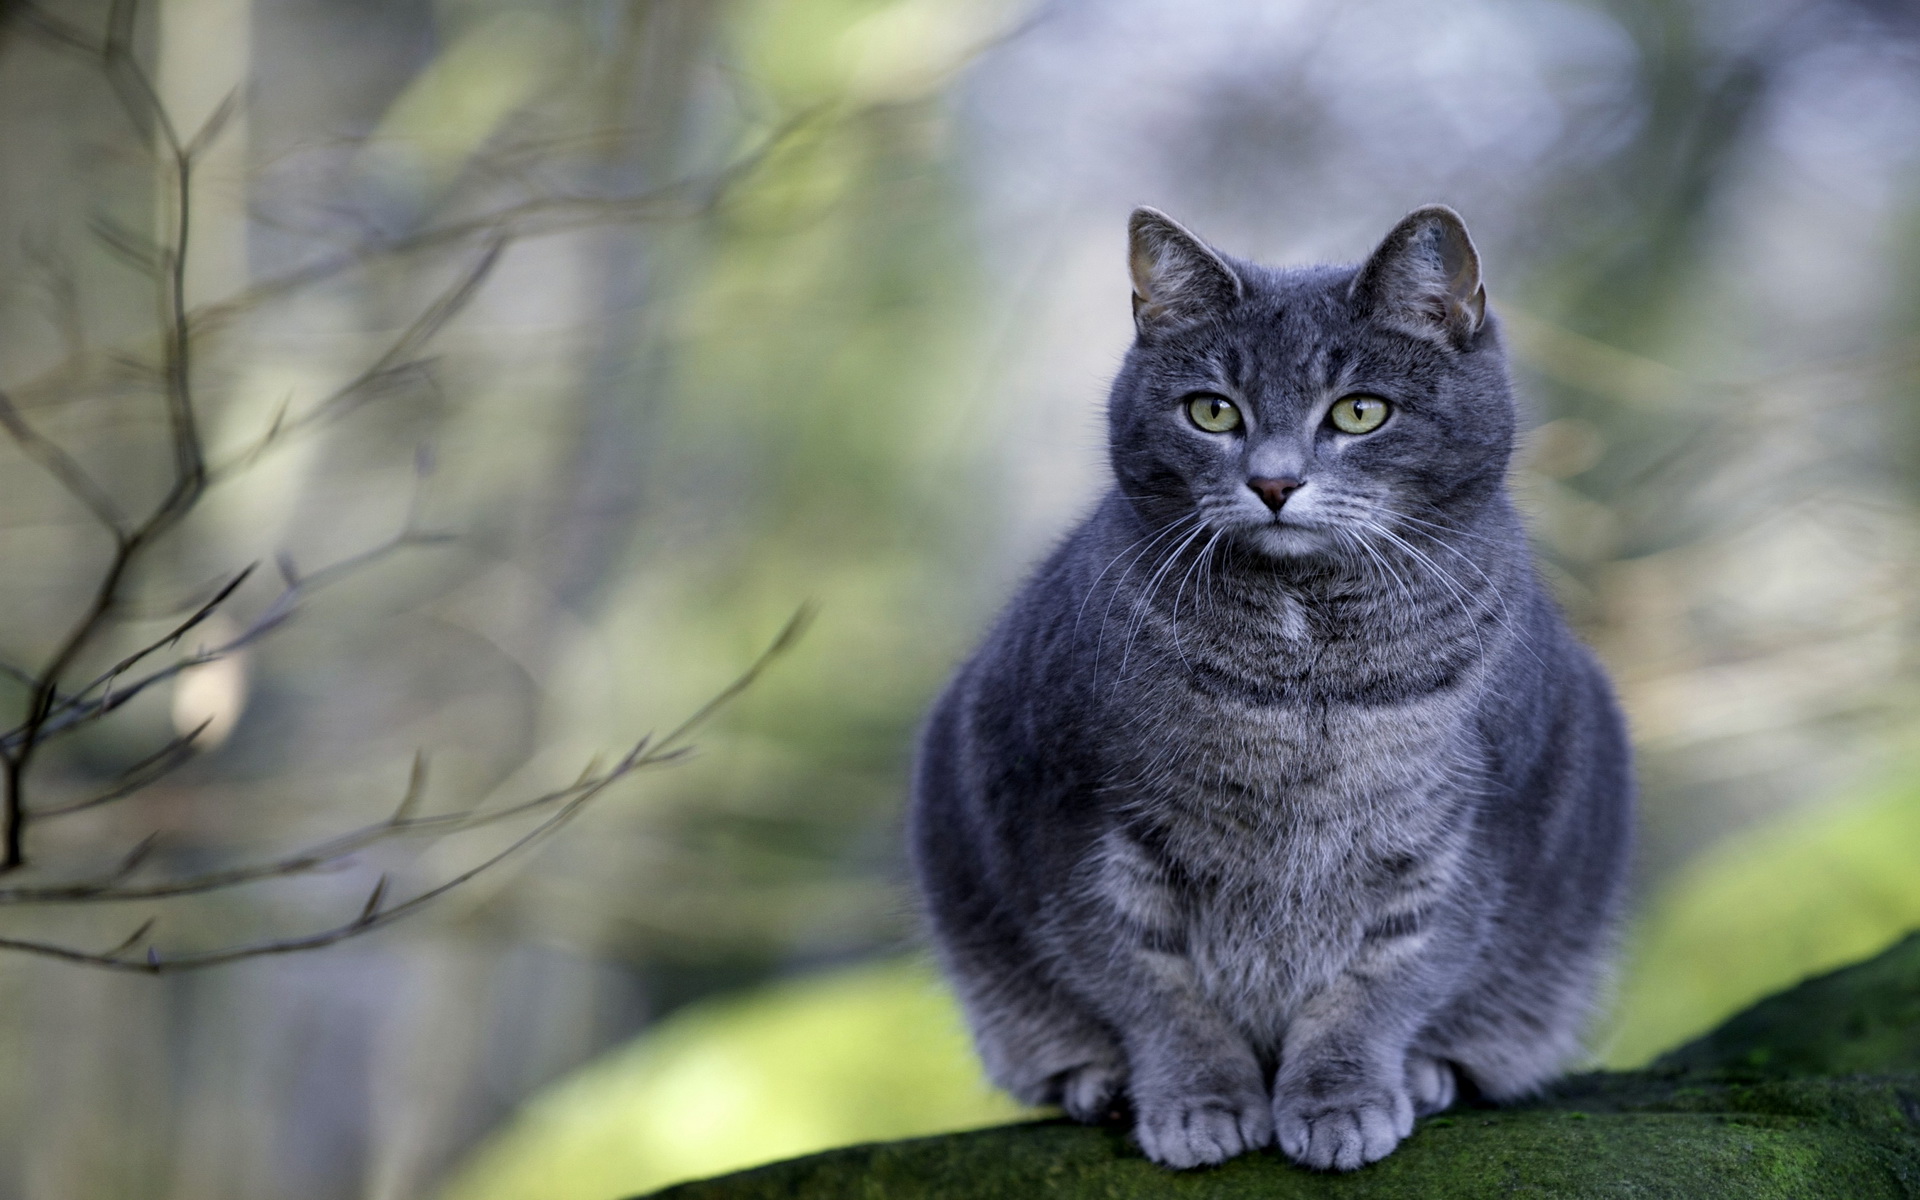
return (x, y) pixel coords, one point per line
(1299, 410)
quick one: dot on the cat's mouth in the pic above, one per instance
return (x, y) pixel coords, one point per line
(1284, 537)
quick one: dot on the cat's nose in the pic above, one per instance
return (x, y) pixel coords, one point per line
(1273, 490)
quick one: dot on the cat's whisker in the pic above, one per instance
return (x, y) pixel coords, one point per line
(1442, 537)
(1119, 584)
(1147, 538)
(1461, 595)
(1503, 616)
(1349, 537)
(1493, 587)
(1446, 532)
(1143, 604)
(1206, 572)
(1142, 607)
(1447, 578)
(1205, 557)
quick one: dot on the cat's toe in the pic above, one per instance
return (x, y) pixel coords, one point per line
(1090, 1094)
(1202, 1130)
(1430, 1085)
(1344, 1133)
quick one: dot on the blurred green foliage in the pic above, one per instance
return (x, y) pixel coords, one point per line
(865, 1054)
(818, 446)
(1766, 908)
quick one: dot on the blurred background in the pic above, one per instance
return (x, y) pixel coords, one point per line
(674, 315)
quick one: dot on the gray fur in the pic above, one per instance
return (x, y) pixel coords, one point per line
(1278, 826)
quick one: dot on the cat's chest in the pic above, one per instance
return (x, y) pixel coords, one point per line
(1200, 746)
(1270, 901)
(1294, 827)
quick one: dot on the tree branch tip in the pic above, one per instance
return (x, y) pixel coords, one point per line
(133, 939)
(372, 908)
(211, 129)
(137, 855)
(797, 624)
(416, 790)
(587, 774)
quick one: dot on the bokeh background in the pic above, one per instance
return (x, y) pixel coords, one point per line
(814, 301)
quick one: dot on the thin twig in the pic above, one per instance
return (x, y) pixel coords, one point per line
(54, 706)
(397, 358)
(83, 707)
(565, 804)
(137, 778)
(63, 467)
(539, 216)
(142, 105)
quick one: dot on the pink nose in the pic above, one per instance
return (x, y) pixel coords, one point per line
(1273, 490)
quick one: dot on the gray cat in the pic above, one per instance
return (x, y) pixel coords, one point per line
(1281, 800)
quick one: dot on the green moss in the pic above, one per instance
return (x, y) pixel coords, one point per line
(1791, 897)
(1863, 1018)
(1534, 1152)
(1813, 1093)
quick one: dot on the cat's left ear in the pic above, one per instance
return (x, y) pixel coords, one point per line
(1177, 278)
(1425, 278)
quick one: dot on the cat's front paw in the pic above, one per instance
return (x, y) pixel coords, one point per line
(1200, 1130)
(1090, 1093)
(1343, 1129)
(1430, 1085)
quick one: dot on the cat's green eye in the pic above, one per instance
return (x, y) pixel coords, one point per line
(1358, 414)
(1215, 414)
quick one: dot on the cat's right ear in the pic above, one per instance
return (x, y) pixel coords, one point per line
(1425, 279)
(1177, 278)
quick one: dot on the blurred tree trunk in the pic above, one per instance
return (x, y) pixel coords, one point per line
(646, 112)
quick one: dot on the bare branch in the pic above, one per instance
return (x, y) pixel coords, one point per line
(58, 30)
(193, 621)
(137, 778)
(136, 856)
(131, 248)
(129, 80)
(538, 216)
(56, 275)
(134, 938)
(211, 129)
(372, 907)
(415, 793)
(109, 888)
(142, 105)
(561, 806)
(394, 361)
(84, 708)
(58, 463)
(782, 642)
(54, 706)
